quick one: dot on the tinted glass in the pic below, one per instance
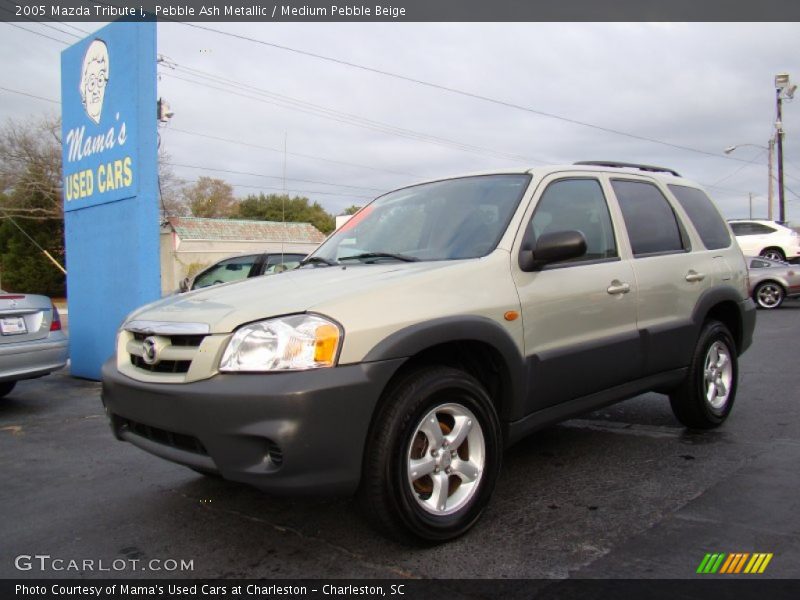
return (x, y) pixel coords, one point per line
(741, 228)
(760, 229)
(577, 204)
(652, 226)
(759, 264)
(704, 216)
(450, 219)
(279, 263)
(231, 269)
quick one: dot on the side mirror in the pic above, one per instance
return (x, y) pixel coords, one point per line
(184, 285)
(552, 247)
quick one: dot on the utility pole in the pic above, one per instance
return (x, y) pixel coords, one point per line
(751, 205)
(783, 89)
(779, 134)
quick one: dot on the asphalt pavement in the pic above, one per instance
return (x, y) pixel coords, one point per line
(625, 492)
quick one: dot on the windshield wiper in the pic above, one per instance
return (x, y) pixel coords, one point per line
(318, 260)
(402, 257)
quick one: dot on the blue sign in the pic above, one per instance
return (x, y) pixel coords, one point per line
(108, 99)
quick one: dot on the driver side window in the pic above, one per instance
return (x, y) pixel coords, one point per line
(576, 204)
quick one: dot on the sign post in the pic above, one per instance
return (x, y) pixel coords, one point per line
(110, 160)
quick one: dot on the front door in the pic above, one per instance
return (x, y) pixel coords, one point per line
(579, 316)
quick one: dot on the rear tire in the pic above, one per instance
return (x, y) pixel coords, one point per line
(773, 254)
(705, 399)
(6, 387)
(769, 295)
(432, 457)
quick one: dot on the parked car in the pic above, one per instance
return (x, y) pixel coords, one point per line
(442, 323)
(32, 343)
(242, 267)
(767, 239)
(771, 281)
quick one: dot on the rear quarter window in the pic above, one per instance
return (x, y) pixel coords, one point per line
(704, 216)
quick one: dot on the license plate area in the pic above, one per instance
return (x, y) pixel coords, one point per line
(13, 326)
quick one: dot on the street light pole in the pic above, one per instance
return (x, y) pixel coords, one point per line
(770, 148)
(770, 183)
(779, 134)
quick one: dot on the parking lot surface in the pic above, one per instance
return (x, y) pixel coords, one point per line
(622, 492)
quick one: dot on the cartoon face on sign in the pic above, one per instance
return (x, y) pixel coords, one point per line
(94, 77)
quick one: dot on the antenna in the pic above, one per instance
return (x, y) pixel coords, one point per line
(285, 192)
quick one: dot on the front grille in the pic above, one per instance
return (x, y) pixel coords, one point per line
(165, 366)
(176, 352)
(175, 340)
(161, 436)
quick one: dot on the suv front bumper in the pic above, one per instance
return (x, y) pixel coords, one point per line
(294, 432)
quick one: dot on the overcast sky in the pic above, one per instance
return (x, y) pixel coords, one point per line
(701, 86)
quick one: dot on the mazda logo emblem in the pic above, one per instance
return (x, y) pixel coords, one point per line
(149, 351)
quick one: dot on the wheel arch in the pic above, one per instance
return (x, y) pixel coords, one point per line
(476, 344)
(724, 305)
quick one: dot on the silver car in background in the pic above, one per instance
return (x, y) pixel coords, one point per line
(771, 281)
(32, 342)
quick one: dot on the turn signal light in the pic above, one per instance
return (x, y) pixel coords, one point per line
(326, 342)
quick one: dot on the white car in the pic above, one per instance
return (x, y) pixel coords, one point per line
(767, 239)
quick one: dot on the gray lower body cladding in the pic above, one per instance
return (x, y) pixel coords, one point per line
(299, 432)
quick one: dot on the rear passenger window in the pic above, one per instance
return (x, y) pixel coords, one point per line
(577, 204)
(704, 216)
(651, 223)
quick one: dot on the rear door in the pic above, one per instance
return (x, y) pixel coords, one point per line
(579, 316)
(670, 274)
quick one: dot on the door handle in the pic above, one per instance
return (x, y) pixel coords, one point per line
(693, 276)
(617, 287)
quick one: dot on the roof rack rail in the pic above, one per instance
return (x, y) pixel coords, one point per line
(617, 164)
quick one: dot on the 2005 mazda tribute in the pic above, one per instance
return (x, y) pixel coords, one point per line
(442, 323)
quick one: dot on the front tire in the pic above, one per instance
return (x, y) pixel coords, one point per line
(769, 295)
(6, 387)
(433, 456)
(705, 399)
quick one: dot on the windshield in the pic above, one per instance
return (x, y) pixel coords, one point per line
(443, 220)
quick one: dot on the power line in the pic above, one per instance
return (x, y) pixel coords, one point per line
(741, 168)
(356, 187)
(340, 116)
(347, 118)
(36, 33)
(298, 154)
(21, 93)
(83, 31)
(457, 91)
(32, 20)
(293, 191)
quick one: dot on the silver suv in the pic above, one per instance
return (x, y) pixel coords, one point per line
(442, 323)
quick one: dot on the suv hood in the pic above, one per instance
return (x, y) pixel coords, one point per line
(225, 307)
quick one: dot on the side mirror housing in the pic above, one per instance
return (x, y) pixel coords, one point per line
(552, 247)
(184, 285)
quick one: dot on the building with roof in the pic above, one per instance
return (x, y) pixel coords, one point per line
(189, 244)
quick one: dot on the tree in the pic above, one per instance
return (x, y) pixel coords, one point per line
(280, 207)
(351, 210)
(170, 188)
(210, 198)
(30, 201)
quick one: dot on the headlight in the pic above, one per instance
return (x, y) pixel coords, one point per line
(283, 344)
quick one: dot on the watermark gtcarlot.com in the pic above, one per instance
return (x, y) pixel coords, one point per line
(48, 563)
